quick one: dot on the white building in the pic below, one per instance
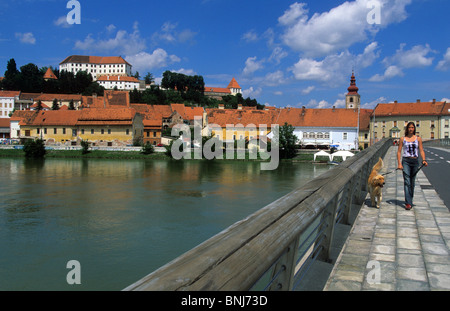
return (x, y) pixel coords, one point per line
(96, 65)
(119, 82)
(7, 100)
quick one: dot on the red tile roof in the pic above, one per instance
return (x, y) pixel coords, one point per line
(56, 117)
(222, 117)
(9, 94)
(117, 78)
(217, 90)
(49, 74)
(5, 122)
(409, 109)
(82, 59)
(333, 117)
(187, 113)
(233, 84)
(26, 115)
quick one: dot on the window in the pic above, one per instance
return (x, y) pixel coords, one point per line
(344, 136)
(64, 131)
(432, 135)
(92, 131)
(102, 131)
(82, 131)
(432, 124)
(55, 131)
(74, 132)
(417, 124)
(446, 123)
(38, 131)
(128, 131)
(109, 131)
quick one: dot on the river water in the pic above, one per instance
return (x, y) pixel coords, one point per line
(122, 219)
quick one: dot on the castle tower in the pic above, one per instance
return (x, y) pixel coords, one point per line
(352, 99)
(234, 87)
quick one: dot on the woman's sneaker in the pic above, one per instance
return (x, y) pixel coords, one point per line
(408, 207)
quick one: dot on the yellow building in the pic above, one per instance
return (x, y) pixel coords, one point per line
(244, 123)
(101, 127)
(389, 120)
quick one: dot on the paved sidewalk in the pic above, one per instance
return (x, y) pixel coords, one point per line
(395, 249)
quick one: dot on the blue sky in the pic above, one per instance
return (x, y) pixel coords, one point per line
(282, 53)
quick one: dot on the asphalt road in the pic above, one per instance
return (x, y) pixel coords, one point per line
(438, 171)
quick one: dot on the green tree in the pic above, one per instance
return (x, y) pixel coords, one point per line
(147, 148)
(71, 105)
(11, 80)
(55, 105)
(31, 79)
(287, 141)
(39, 106)
(84, 146)
(149, 79)
(34, 149)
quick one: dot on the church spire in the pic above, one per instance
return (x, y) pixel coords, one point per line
(352, 99)
(352, 89)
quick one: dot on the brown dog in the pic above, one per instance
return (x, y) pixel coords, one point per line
(376, 183)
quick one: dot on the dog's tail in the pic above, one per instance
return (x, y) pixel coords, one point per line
(377, 167)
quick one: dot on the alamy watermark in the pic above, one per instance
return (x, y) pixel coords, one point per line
(74, 16)
(374, 275)
(74, 275)
(212, 148)
(374, 15)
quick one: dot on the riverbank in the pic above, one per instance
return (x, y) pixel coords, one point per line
(107, 154)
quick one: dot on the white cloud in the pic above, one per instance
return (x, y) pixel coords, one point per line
(123, 43)
(251, 92)
(339, 103)
(252, 65)
(374, 103)
(335, 67)
(444, 64)
(337, 29)
(274, 78)
(308, 90)
(27, 38)
(250, 36)
(445, 100)
(277, 55)
(415, 57)
(318, 105)
(145, 61)
(169, 33)
(62, 22)
(389, 73)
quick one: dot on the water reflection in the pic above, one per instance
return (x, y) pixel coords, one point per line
(129, 217)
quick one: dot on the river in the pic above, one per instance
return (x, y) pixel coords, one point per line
(122, 219)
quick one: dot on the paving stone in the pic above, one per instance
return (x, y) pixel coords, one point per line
(411, 247)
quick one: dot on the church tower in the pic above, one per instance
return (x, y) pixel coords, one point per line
(352, 99)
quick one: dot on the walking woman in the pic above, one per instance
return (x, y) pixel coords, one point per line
(408, 160)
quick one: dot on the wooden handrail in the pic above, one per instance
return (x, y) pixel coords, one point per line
(267, 240)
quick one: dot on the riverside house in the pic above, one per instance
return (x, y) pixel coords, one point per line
(100, 126)
(390, 119)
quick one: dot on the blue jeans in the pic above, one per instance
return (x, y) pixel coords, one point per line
(410, 168)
